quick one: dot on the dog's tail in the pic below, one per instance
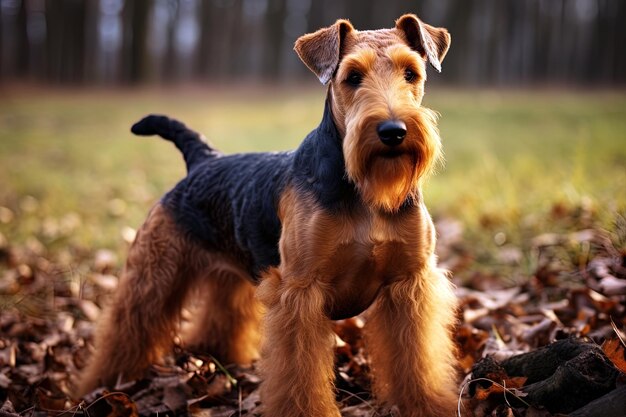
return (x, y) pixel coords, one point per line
(189, 142)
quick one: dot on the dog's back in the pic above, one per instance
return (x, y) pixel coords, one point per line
(228, 204)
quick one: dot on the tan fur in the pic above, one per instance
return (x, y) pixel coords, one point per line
(377, 255)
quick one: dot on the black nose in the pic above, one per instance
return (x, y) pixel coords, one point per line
(391, 132)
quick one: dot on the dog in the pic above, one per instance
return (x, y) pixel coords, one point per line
(290, 241)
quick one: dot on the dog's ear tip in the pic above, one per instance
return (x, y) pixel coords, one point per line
(325, 77)
(431, 42)
(434, 62)
(404, 17)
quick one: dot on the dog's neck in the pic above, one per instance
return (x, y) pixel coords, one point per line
(319, 166)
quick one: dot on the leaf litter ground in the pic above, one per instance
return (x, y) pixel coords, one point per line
(516, 300)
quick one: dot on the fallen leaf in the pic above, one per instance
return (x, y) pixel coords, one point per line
(105, 281)
(615, 351)
(104, 259)
(508, 385)
(610, 285)
(89, 309)
(121, 405)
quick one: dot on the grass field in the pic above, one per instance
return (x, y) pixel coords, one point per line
(72, 175)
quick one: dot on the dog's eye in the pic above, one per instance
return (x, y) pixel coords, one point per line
(354, 79)
(410, 76)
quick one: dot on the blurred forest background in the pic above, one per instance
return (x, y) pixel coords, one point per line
(496, 42)
(530, 207)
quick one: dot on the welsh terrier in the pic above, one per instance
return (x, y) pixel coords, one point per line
(327, 231)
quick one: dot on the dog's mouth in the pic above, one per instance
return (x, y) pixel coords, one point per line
(391, 153)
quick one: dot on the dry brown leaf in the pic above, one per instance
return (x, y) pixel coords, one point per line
(616, 352)
(51, 401)
(121, 405)
(105, 281)
(104, 259)
(510, 385)
(540, 333)
(610, 285)
(350, 330)
(89, 309)
(466, 362)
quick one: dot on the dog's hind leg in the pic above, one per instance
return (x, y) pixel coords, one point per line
(138, 325)
(226, 323)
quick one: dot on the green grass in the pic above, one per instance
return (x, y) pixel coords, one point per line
(511, 154)
(72, 174)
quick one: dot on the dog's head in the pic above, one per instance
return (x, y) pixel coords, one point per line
(376, 88)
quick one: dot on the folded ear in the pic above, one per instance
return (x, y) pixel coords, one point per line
(431, 42)
(320, 51)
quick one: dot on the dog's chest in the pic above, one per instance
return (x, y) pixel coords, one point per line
(379, 253)
(353, 252)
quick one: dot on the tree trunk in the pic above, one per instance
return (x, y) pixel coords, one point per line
(204, 43)
(274, 27)
(65, 55)
(135, 54)
(22, 50)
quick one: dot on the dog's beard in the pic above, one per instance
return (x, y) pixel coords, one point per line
(389, 180)
(387, 176)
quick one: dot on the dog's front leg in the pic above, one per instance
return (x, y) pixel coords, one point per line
(297, 353)
(410, 343)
